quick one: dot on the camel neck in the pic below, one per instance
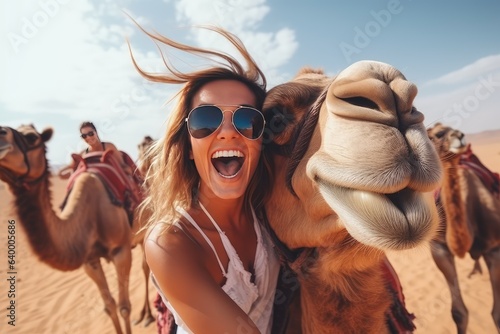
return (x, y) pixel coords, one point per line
(458, 231)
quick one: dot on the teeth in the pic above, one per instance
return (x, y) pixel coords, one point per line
(229, 176)
(227, 154)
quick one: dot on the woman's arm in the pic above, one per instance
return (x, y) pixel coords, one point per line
(174, 259)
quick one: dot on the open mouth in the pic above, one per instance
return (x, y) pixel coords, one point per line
(228, 163)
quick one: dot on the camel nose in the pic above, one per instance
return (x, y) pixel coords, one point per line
(3, 131)
(374, 100)
(374, 92)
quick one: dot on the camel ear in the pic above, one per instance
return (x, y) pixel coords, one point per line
(284, 108)
(46, 134)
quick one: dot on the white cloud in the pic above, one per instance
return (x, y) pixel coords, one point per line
(234, 15)
(469, 72)
(68, 61)
(242, 17)
(468, 98)
(69, 58)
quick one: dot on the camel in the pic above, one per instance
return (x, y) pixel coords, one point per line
(470, 219)
(80, 234)
(143, 165)
(143, 146)
(354, 175)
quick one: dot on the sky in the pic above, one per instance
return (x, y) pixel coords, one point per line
(67, 61)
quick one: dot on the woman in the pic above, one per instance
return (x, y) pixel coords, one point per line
(211, 260)
(88, 133)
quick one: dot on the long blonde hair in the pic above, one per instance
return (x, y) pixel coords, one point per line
(172, 178)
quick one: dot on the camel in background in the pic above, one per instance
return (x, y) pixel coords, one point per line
(142, 163)
(470, 218)
(89, 227)
(354, 172)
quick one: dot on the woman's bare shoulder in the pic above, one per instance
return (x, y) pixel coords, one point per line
(109, 145)
(171, 241)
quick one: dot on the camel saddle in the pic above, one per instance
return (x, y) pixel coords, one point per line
(123, 190)
(491, 180)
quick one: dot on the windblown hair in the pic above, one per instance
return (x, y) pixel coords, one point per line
(172, 179)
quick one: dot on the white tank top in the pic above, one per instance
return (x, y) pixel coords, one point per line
(256, 299)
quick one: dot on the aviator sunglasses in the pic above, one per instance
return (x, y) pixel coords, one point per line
(89, 134)
(204, 120)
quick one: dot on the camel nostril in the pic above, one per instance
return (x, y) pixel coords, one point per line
(361, 101)
(3, 132)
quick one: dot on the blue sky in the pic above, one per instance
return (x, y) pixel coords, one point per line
(67, 61)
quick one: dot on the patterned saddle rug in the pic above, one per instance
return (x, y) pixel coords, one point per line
(123, 190)
(490, 179)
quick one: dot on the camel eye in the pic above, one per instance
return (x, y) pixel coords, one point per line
(31, 138)
(441, 133)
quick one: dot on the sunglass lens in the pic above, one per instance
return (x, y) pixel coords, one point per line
(204, 120)
(249, 122)
(89, 134)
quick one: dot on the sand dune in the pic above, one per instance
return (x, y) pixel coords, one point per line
(49, 301)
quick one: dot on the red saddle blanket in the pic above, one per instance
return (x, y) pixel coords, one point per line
(490, 179)
(123, 190)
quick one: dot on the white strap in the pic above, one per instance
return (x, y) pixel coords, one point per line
(211, 219)
(191, 220)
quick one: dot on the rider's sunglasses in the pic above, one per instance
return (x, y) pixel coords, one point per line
(89, 134)
(204, 120)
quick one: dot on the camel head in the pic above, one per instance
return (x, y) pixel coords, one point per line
(354, 153)
(22, 154)
(450, 143)
(143, 147)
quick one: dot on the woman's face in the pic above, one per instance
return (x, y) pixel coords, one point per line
(90, 135)
(225, 159)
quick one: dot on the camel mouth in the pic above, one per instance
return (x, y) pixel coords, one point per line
(457, 145)
(397, 221)
(4, 150)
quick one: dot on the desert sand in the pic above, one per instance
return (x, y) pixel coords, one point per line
(50, 301)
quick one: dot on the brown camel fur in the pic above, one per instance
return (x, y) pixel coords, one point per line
(88, 228)
(143, 166)
(470, 219)
(354, 175)
(165, 322)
